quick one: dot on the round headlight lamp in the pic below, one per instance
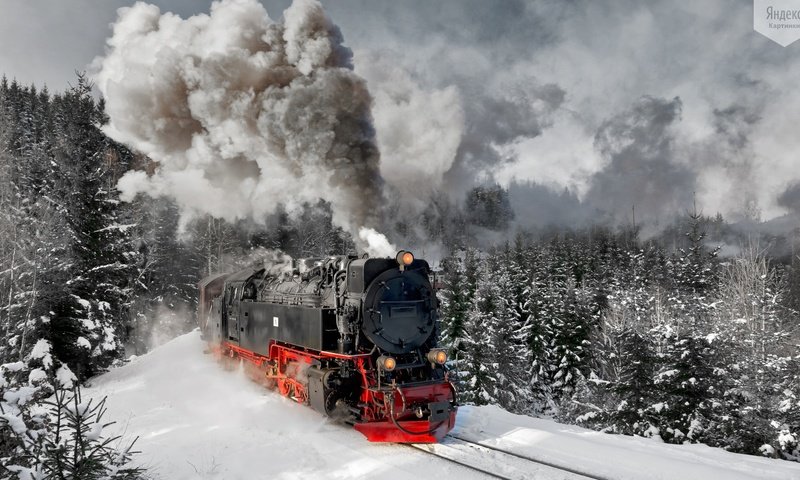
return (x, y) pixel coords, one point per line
(437, 356)
(387, 363)
(404, 258)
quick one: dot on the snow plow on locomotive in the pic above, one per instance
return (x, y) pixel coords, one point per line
(354, 338)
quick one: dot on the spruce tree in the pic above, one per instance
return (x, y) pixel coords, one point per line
(540, 332)
(513, 329)
(478, 367)
(454, 308)
(455, 305)
(637, 409)
(87, 324)
(690, 377)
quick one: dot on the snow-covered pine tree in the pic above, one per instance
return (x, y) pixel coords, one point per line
(540, 333)
(692, 375)
(478, 366)
(792, 298)
(785, 436)
(32, 224)
(512, 320)
(509, 385)
(44, 143)
(522, 323)
(571, 340)
(454, 304)
(454, 308)
(87, 324)
(48, 430)
(573, 315)
(637, 408)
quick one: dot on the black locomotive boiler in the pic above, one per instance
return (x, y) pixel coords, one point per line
(354, 338)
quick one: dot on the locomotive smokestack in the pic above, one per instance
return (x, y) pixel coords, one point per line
(242, 113)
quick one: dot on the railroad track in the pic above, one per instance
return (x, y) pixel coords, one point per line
(497, 463)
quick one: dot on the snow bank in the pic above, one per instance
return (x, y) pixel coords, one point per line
(196, 420)
(613, 456)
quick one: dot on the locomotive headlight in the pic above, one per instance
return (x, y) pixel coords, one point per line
(387, 363)
(404, 258)
(437, 356)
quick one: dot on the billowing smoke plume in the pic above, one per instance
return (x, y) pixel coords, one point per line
(243, 113)
(512, 110)
(441, 139)
(638, 146)
(418, 130)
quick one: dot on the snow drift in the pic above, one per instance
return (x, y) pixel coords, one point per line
(196, 420)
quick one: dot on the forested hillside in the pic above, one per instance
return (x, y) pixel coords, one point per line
(75, 260)
(604, 330)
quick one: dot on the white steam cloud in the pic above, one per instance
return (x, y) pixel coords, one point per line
(376, 244)
(418, 130)
(242, 113)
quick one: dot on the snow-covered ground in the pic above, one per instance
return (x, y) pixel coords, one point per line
(197, 421)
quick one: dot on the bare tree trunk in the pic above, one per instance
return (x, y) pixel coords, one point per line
(208, 245)
(11, 288)
(27, 320)
(220, 242)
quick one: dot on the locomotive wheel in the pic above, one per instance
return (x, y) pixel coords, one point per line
(335, 407)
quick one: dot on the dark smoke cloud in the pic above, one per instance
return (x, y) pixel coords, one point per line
(446, 129)
(735, 123)
(641, 171)
(790, 198)
(505, 27)
(538, 206)
(737, 87)
(521, 111)
(728, 155)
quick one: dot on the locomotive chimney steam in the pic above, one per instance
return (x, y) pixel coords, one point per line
(242, 113)
(375, 243)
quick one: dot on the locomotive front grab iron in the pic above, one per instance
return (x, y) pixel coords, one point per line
(354, 338)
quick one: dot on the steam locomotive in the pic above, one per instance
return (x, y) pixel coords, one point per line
(354, 338)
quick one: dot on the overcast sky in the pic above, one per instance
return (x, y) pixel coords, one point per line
(622, 102)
